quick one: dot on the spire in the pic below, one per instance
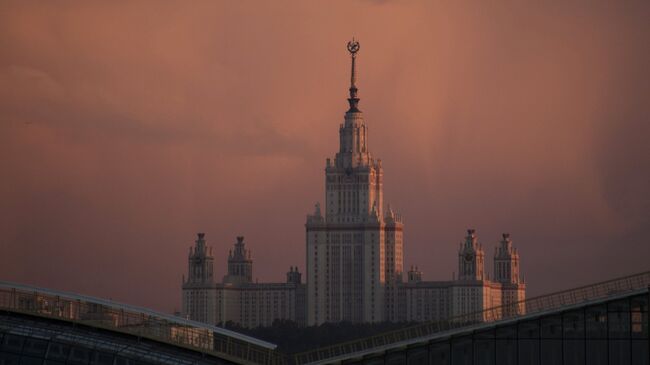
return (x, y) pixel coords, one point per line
(470, 239)
(506, 243)
(353, 48)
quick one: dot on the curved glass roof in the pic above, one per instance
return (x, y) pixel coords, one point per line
(130, 319)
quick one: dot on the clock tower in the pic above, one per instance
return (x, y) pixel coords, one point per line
(470, 258)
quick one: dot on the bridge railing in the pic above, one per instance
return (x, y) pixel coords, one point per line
(137, 321)
(540, 304)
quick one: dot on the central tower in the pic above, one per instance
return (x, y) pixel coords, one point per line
(354, 248)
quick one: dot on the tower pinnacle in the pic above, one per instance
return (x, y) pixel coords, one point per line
(353, 48)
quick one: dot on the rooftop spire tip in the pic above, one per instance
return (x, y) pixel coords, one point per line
(353, 48)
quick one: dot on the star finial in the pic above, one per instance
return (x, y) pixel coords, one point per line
(353, 48)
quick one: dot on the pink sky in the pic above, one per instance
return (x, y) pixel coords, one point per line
(127, 128)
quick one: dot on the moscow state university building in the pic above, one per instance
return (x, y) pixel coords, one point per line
(355, 248)
(355, 266)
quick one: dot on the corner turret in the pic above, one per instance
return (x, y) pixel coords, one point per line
(200, 263)
(471, 258)
(240, 264)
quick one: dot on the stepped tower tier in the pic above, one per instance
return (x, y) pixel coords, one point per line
(354, 180)
(354, 248)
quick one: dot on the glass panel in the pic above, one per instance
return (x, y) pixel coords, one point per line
(574, 325)
(551, 327)
(506, 332)
(639, 303)
(121, 361)
(489, 334)
(574, 351)
(639, 324)
(528, 329)
(506, 352)
(622, 305)
(640, 355)
(79, 356)
(439, 354)
(596, 318)
(101, 358)
(13, 343)
(28, 360)
(396, 359)
(551, 352)
(619, 351)
(597, 351)
(9, 359)
(484, 352)
(619, 325)
(417, 356)
(375, 361)
(529, 352)
(35, 347)
(461, 351)
(639, 316)
(58, 351)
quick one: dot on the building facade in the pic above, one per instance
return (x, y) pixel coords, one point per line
(472, 291)
(237, 298)
(355, 247)
(354, 258)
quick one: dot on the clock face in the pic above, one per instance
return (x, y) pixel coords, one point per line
(468, 257)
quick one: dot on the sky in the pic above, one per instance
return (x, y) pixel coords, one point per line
(128, 127)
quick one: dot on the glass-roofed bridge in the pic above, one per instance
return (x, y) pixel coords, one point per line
(603, 323)
(67, 328)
